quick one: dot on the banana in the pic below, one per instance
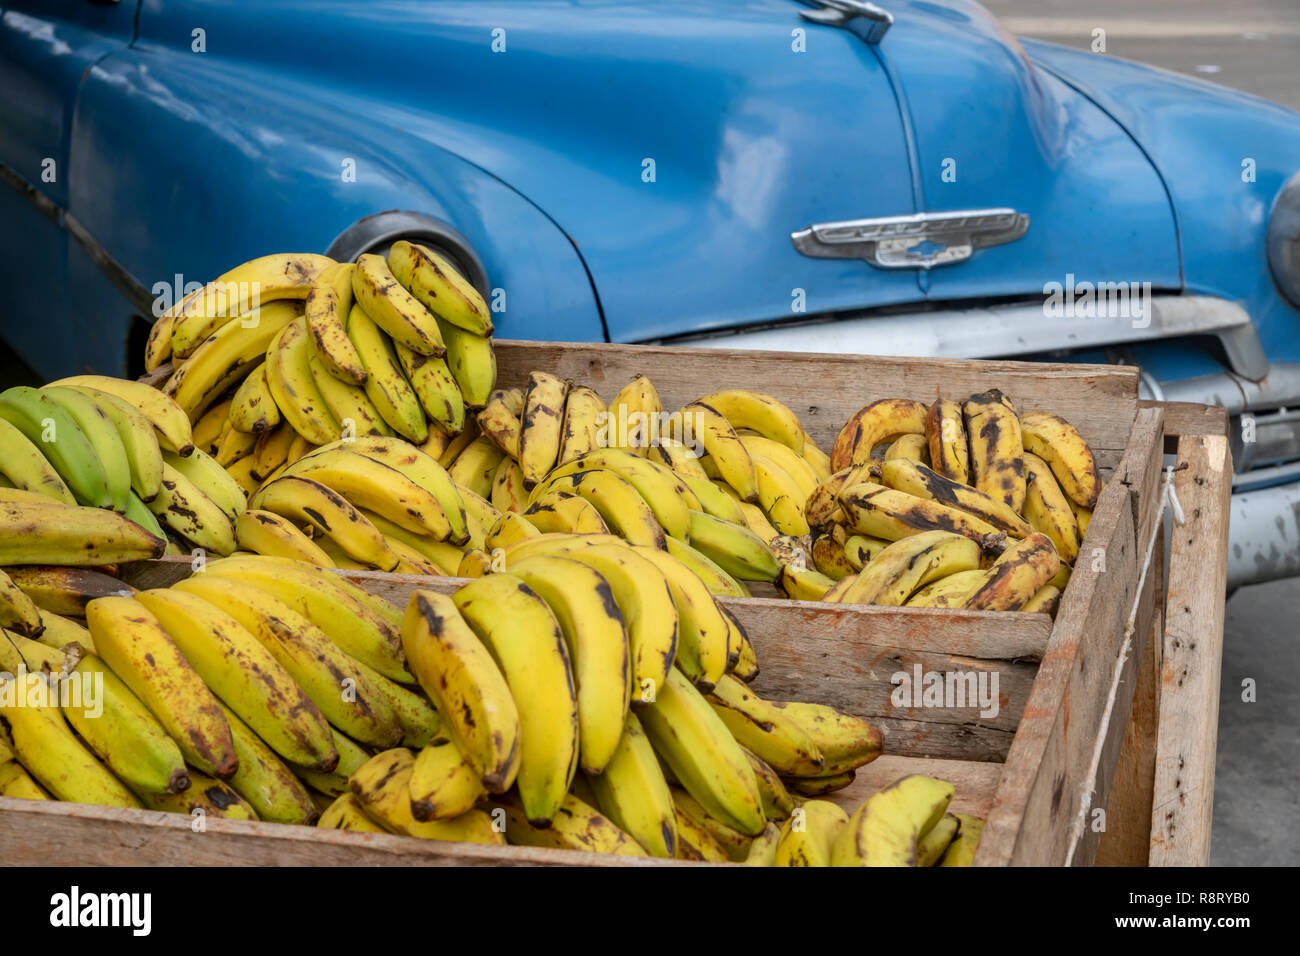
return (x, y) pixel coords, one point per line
(950, 591)
(822, 507)
(22, 463)
(846, 742)
(254, 284)
(440, 287)
(565, 512)
(712, 499)
(441, 556)
(298, 448)
(294, 388)
(735, 549)
(341, 688)
(961, 851)
(913, 448)
(168, 420)
(633, 793)
(703, 423)
(345, 813)
(908, 565)
(382, 787)
(508, 491)
(634, 417)
(745, 666)
(272, 450)
(715, 578)
(49, 427)
(472, 361)
(809, 836)
(411, 560)
(596, 638)
(755, 518)
(994, 433)
(762, 851)
(692, 739)
(234, 447)
(466, 686)
(435, 387)
(54, 756)
(422, 470)
(351, 755)
(734, 844)
(541, 425)
(475, 467)
(791, 464)
(59, 632)
(326, 311)
(703, 630)
(524, 638)
(829, 557)
(803, 584)
(101, 431)
(393, 309)
(820, 786)
(882, 512)
(945, 436)
(305, 501)
(581, 429)
(1059, 443)
(443, 783)
(439, 440)
(765, 730)
(17, 610)
(1045, 601)
(1016, 576)
(212, 426)
(244, 676)
(317, 595)
(668, 497)
(879, 421)
(158, 346)
(759, 412)
(499, 419)
(577, 826)
(916, 479)
(860, 549)
(886, 829)
(61, 590)
(781, 497)
(134, 644)
(206, 796)
(777, 802)
(38, 533)
(621, 506)
(1048, 509)
(182, 506)
(265, 533)
(694, 842)
(931, 847)
(15, 782)
(263, 781)
(209, 477)
(677, 456)
(348, 403)
(508, 529)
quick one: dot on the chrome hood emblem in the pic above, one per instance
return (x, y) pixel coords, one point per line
(920, 241)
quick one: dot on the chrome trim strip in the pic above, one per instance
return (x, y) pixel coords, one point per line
(842, 13)
(896, 242)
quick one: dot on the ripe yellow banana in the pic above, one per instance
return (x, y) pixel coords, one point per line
(816, 458)
(780, 455)
(916, 479)
(594, 633)
(669, 498)
(525, 640)
(828, 557)
(17, 610)
(349, 404)
(880, 421)
(781, 497)
(257, 283)
(809, 836)
(994, 434)
(804, 584)
(945, 436)
(382, 787)
(472, 362)
(1045, 601)
(881, 512)
(262, 532)
(439, 285)
(500, 421)
(435, 387)
(950, 591)
(1059, 443)
(734, 843)
(577, 826)
(908, 565)
(541, 425)
(694, 842)
(1048, 509)
(443, 783)
(703, 631)
(759, 412)
(263, 781)
(705, 424)
(326, 311)
(911, 447)
(294, 388)
(581, 429)
(703, 756)
(846, 742)
(887, 828)
(715, 578)
(762, 851)
(466, 686)
(207, 475)
(39, 533)
(508, 491)
(634, 417)
(182, 506)
(736, 549)
(621, 506)
(385, 385)
(1016, 576)
(777, 802)
(961, 851)
(394, 309)
(305, 501)
(713, 500)
(134, 644)
(345, 813)
(508, 529)
(168, 420)
(340, 687)
(633, 793)
(766, 730)
(475, 467)
(245, 676)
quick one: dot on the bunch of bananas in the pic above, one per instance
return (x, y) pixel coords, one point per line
(970, 505)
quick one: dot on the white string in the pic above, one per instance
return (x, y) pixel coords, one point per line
(1168, 498)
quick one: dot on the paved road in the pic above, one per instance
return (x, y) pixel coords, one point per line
(1251, 45)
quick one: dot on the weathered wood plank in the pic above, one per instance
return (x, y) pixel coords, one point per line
(1193, 649)
(975, 782)
(824, 390)
(1188, 418)
(1143, 470)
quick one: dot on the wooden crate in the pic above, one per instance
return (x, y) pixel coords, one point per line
(1059, 730)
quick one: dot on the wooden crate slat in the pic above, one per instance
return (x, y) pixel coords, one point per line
(975, 782)
(1183, 803)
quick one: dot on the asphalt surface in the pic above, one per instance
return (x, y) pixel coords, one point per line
(1250, 45)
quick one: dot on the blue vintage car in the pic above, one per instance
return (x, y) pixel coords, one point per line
(827, 175)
